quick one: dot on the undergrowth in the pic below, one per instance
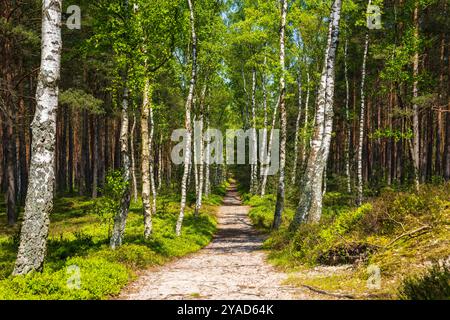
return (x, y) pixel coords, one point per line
(398, 232)
(78, 248)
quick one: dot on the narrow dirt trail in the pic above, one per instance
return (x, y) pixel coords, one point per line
(232, 266)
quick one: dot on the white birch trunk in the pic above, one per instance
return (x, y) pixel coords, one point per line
(279, 207)
(152, 158)
(310, 203)
(347, 116)
(254, 168)
(265, 168)
(207, 159)
(133, 164)
(39, 200)
(415, 92)
(160, 162)
(198, 202)
(306, 120)
(297, 128)
(361, 124)
(187, 155)
(120, 219)
(145, 161)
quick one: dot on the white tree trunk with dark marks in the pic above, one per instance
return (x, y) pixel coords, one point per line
(207, 158)
(265, 167)
(279, 207)
(160, 162)
(120, 219)
(151, 157)
(188, 127)
(347, 118)
(39, 200)
(145, 161)
(133, 162)
(310, 203)
(361, 123)
(201, 156)
(415, 152)
(254, 164)
(306, 120)
(297, 127)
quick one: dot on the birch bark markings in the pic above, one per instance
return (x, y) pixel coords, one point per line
(145, 161)
(188, 127)
(39, 200)
(297, 127)
(253, 165)
(361, 122)
(279, 207)
(415, 152)
(198, 201)
(310, 202)
(120, 219)
(347, 118)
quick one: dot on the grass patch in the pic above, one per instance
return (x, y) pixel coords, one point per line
(78, 244)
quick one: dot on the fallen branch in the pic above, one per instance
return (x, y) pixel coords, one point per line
(408, 234)
(346, 295)
(333, 294)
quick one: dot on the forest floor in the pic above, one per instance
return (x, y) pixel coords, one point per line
(232, 266)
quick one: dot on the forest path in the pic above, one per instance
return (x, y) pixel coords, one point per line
(232, 266)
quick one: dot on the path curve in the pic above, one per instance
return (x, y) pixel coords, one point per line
(231, 267)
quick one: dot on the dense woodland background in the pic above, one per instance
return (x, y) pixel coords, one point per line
(132, 72)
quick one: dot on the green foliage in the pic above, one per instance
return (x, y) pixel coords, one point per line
(108, 205)
(434, 284)
(78, 237)
(262, 211)
(397, 135)
(98, 279)
(78, 99)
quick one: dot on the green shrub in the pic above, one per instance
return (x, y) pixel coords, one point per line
(434, 284)
(132, 255)
(98, 278)
(109, 204)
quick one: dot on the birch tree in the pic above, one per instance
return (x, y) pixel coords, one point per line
(39, 200)
(297, 126)
(254, 164)
(188, 127)
(415, 148)
(279, 207)
(310, 203)
(361, 122)
(145, 160)
(347, 118)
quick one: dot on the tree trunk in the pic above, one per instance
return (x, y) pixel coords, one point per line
(188, 107)
(95, 158)
(253, 160)
(152, 157)
(347, 118)
(415, 149)
(207, 158)
(39, 200)
(120, 219)
(361, 123)
(265, 167)
(306, 120)
(297, 127)
(133, 162)
(145, 161)
(198, 202)
(279, 207)
(310, 203)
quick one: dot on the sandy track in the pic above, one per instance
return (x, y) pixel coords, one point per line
(232, 266)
